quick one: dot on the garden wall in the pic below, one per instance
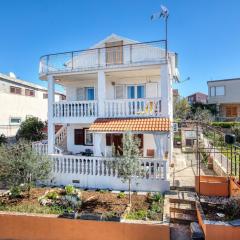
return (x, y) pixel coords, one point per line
(217, 230)
(234, 188)
(212, 185)
(37, 227)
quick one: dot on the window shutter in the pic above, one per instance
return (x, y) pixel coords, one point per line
(119, 91)
(80, 94)
(108, 139)
(79, 136)
(114, 52)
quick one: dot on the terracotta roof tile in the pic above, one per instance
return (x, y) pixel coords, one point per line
(131, 124)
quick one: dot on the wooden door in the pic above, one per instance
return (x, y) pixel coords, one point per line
(118, 144)
(114, 52)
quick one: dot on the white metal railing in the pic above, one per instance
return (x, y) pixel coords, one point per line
(133, 107)
(75, 109)
(60, 135)
(106, 57)
(101, 166)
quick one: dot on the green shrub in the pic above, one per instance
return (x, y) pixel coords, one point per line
(156, 207)
(137, 215)
(157, 197)
(121, 195)
(225, 124)
(52, 195)
(103, 191)
(69, 189)
(15, 192)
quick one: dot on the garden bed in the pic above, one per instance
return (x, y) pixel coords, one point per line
(95, 205)
(219, 217)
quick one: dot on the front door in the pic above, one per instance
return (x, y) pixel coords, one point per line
(118, 145)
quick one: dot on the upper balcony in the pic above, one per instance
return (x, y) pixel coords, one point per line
(114, 55)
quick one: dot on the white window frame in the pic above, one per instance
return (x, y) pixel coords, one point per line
(86, 93)
(124, 91)
(135, 90)
(11, 123)
(213, 91)
(223, 87)
(86, 131)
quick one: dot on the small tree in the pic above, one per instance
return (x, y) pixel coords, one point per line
(202, 115)
(181, 108)
(236, 130)
(129, 164)
(19, 164)
(3, 139)
(31, 130)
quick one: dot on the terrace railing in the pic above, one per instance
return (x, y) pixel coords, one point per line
(107, 57)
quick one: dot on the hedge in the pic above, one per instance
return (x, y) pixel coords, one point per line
(225, 124)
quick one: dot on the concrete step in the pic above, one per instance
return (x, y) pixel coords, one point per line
(182, 218)
(188, 211)
(183, 188)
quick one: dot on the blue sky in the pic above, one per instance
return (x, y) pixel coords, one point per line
(205, 34)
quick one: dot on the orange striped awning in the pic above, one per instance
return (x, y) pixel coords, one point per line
(130, 124)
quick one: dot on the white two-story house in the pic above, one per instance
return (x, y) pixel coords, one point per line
(116, 86)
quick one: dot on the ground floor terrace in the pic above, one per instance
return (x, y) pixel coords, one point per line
(86, 155)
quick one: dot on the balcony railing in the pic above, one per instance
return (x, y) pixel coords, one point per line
(133, 107)
(75, 109)
(107, 57)
(150, 107)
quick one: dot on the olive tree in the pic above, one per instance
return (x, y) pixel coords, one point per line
(129, 164)
(19, 164)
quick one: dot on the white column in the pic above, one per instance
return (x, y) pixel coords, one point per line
(51, 126)
(165, 85)
(101, 92)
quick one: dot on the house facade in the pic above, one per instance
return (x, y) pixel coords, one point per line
(21, 99)
(116, 86)
(197, 97)
(225, 95)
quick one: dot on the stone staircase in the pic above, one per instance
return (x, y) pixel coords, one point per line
(182, 205)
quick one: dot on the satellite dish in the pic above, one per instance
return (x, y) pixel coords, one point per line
(12, 75)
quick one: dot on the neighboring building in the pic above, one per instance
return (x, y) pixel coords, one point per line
(20, 99)
(118, 85)
(197, 98)
(225, 94)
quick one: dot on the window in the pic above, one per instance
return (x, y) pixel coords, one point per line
(114, 52)
(15, 90)
(140, 91)
(231, 111)
(136, 91)
(88, 140)
(45, 95)
(29, 92)
(217, 91)
(220, 91)
(119, 92)
(15, 120)
(212, 91)
(78, 137)
(89, 93)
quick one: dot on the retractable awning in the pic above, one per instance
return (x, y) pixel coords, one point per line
(140, 125)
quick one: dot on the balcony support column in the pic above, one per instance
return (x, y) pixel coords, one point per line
(51, 126)
(166, 103)
(101, 89)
